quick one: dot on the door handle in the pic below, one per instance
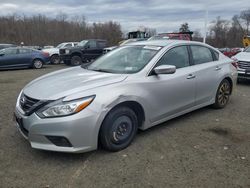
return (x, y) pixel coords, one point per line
(218, 68)
(190, 76)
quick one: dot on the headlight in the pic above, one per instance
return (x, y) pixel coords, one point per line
(67, 51)
(60, 108)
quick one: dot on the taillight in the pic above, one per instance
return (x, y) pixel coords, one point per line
(235, 64)
(46, 54)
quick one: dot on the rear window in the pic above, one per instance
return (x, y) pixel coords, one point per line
(24, 50)
(201, 55)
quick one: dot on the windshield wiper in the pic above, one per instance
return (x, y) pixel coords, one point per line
(100, 70)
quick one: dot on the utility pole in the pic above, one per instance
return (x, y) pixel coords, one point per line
(205, 26)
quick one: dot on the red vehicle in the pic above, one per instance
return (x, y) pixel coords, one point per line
(174, 36)
(229, 52)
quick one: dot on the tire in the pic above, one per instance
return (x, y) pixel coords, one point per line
(37, 64)
(55, 59)
(222, 94)
(118, 129)
(76, 60)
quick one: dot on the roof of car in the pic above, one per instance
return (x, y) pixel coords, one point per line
(163, 42)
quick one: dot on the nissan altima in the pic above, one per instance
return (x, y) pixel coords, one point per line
(133, 87)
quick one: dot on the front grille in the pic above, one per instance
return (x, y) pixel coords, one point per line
(27, 103)
(244, 64)
(62, 51)
(30, 105)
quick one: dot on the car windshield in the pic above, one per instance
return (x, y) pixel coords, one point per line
(247, 49)
(125, 60)
(82, 43)
(60, 45)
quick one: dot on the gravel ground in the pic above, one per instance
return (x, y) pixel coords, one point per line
(205, 148)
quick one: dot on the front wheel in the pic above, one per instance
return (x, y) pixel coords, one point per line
(55, 59)
(118, 129)
(223, 94)
(37, 64)
(76, 60)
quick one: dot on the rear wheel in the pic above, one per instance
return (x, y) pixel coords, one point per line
(55, 59)
(76, 60)
(223, 94)
(37, 64)
(118, 129)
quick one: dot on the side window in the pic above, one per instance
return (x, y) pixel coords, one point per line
(68, 45)
(102, 44)
(75, 44)
(201, 54)
(10, 51)
(24, 50)
(177, 56)
(92, 44)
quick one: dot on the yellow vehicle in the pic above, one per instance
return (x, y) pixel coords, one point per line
(246, 41)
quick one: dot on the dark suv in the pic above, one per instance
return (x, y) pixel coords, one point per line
(85, 52)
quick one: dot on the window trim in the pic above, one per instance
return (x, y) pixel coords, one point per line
(150, 73)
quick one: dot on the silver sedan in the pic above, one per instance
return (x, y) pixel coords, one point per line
(136, 86)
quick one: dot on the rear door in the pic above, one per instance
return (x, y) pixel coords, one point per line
(8, 57)
(24, 56)
(207, 69)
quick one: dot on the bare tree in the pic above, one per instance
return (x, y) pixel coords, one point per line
(184, 27)
(218, 32)
(41, 30)
(245, 16)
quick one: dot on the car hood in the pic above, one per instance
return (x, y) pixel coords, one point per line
(243, 56)
(68, 81)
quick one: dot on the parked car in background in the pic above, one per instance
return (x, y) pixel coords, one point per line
(21, 57)
(86, 51)
(121, 43)
(135, 86)
(173, 36)
(54, 52)
(243, 59)
(229, 52)
(2, 46)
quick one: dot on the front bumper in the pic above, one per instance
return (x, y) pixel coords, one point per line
(81, 130)
(243, 74)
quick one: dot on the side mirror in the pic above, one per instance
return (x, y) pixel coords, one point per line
(87, 46)
(1, 54)
(165, 69)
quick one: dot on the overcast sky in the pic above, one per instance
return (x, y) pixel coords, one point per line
(164, 15)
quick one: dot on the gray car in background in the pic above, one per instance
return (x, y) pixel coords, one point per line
(133, 87)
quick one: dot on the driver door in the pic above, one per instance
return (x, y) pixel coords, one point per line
(92, 51)
(8, 57)
(170, 94)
